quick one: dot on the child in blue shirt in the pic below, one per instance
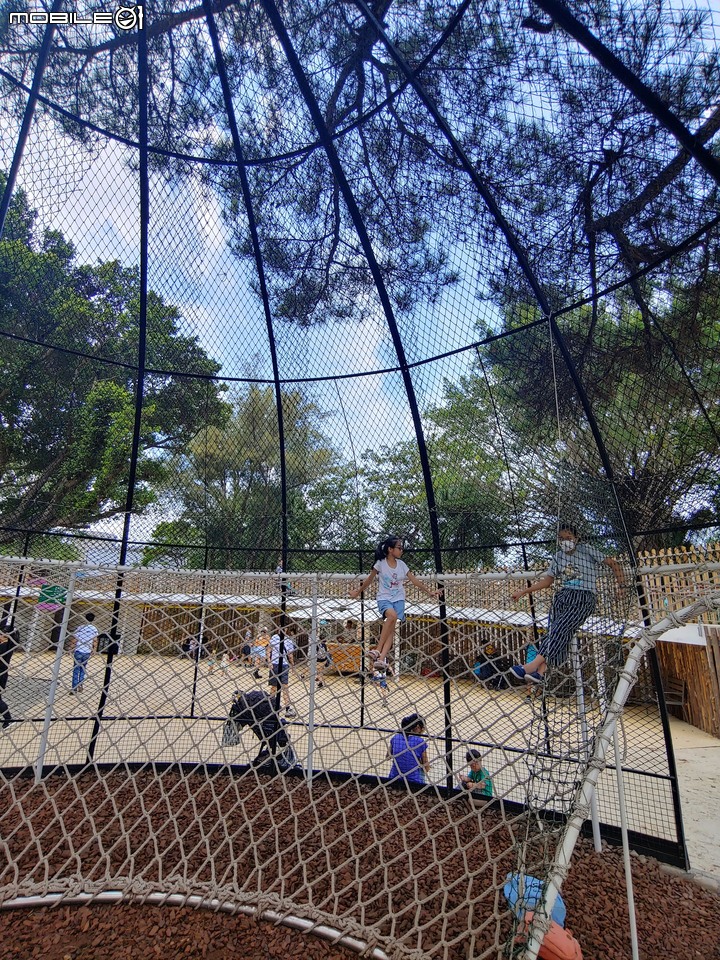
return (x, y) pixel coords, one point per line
(408, 750)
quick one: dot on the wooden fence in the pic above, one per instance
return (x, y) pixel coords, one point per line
(695, 670)
(171, 607)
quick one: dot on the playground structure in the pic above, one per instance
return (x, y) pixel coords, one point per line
(276, 282)
(154, 705)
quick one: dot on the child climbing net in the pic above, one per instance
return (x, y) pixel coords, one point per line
(392, 572)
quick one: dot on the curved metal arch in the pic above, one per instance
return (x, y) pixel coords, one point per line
(655, 106)
(361, 119)
(144, 210)
(257, 253)
(32, 102)
(404, 368)
(276, 20)
(512, 241)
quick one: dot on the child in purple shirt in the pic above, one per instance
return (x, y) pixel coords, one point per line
(408, 751)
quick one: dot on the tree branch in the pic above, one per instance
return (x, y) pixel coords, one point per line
(366, 39)
(653, 189)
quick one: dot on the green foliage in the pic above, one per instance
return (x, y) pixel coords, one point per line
(174, 546)
(67, 419)
(42, 547)
(468, 472)
(649, 383)
(228, 489)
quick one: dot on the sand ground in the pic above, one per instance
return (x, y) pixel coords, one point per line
(697, 755)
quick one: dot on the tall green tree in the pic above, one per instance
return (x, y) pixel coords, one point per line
(470, 483)
(648, 389)
(68, 357)
(226, 488)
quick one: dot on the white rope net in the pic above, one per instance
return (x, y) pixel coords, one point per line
(141, 771)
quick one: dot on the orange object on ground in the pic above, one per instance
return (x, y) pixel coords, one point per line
(558, 943)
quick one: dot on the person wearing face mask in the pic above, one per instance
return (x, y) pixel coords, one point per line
(577, 565)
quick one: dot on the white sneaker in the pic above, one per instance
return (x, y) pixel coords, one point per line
(290, 711)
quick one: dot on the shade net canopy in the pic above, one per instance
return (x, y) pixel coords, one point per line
(279, 280)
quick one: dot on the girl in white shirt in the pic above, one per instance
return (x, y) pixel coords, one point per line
(392, 574)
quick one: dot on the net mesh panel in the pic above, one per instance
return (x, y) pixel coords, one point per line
(274, 286)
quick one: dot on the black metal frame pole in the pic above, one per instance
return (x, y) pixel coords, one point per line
(255, 240)
(328, 145)
(21, 579)
(360, 540)
(140, 383)
(197, 653)
(9, 190)
(362, 647)
(665, 723)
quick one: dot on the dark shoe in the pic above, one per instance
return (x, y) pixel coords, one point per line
(535, 677)
(257, 674)
(517, 673)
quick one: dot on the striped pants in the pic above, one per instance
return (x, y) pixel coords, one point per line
(569, 611)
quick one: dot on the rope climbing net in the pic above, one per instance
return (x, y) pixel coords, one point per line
(280, 282)
(161, 766)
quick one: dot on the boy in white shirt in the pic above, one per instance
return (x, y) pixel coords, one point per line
(85, 641)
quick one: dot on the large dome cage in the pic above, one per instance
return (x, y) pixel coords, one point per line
(279, 280)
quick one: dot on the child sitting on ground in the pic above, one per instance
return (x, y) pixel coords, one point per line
(408, 751)
(477, 779)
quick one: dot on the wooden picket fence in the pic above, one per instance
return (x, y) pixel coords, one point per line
(671, 579)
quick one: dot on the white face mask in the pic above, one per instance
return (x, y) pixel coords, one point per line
(567, 546)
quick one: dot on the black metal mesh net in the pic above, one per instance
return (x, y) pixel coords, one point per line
(278, 280)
